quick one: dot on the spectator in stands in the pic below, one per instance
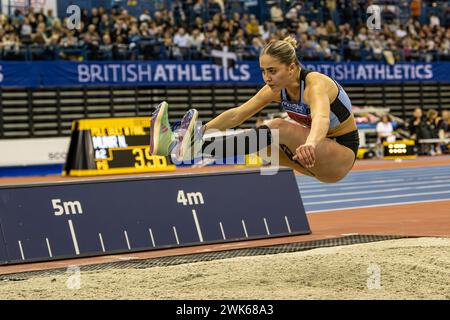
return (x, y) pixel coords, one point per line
(435, 22)
(106, 48)
(91, 46)
(384, 133)
(366, 51)
(324, 50)
(85, 17)
(52, 48)
(377, 49)
(41, 17)
(419, 129)
(302, 25)
(94, 18)
(239, 45)
(50, 18)
(144, 31)
(11, 47)
(428, 41)
(121, 49)
(252, 28)
(40, 36)
(331, 28)
(178, 13)
(181, 44)
(276, 15)
(145, 16)
(105, 25)
(195, 43)
(134, 38)
(292, 20)
(168, 44)
(26, 31)
(388, 14)
(126, 18)
(416, 9)
(215, 6)
(447, 14)
(433, 125)
(199, 8)
(444, 125)
(331, 7)
(256, 47)
(312, 29)
(70, 47)
(92, 31)
(57, 27)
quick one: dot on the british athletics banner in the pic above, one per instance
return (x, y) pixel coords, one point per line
(166, 73)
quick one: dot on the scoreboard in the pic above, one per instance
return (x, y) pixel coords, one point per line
(112, 146)
(400, 149)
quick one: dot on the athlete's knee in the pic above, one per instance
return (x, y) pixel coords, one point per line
(332, 179)
(337, 176)
(277, 123)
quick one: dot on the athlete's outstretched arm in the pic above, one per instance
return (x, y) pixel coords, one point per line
(235, 116)
(318, 98)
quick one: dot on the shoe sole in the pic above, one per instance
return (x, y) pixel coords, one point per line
(185, 142)
(155, 127)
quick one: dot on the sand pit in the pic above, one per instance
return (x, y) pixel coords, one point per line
(414, 268)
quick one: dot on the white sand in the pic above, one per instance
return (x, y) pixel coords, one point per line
(395, 269)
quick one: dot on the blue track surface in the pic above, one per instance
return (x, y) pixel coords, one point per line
(377, 188)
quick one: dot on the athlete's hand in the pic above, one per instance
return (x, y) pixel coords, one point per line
(306, 155)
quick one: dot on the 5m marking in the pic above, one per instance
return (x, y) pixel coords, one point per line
(67, 207)
(190, 198)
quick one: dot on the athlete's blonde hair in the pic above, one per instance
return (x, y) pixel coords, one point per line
(282, 50)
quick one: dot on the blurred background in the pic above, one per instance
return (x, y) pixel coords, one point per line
(124, 57)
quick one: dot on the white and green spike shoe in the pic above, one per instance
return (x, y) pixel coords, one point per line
(185, 136)
(162, 138)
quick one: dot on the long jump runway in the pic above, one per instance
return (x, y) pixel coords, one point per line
(375, 188)
(411, 198)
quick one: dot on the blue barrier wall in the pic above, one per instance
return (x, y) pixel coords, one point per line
(166, 73)
(73, 219)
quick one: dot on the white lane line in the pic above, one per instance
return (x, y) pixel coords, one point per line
(126, 238)
(151, 237)
(370, 186)
(197, 225)
(322, 185)
(223, 231)
(369, 181)
(267, 227)
(313, 191)
(245, 228)
(49, 248)
(394, 184)
(377, 198)
(101, 242)
(327, 195)
(377, 205)
(176, 235)
(21, 250)
(287, 223)
(74, 238)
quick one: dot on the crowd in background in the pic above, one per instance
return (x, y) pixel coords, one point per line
(334, 30)
(431, 125)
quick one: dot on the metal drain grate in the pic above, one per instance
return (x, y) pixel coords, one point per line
(209, 256)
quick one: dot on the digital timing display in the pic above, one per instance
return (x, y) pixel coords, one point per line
(399, 149)
(113, 145)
